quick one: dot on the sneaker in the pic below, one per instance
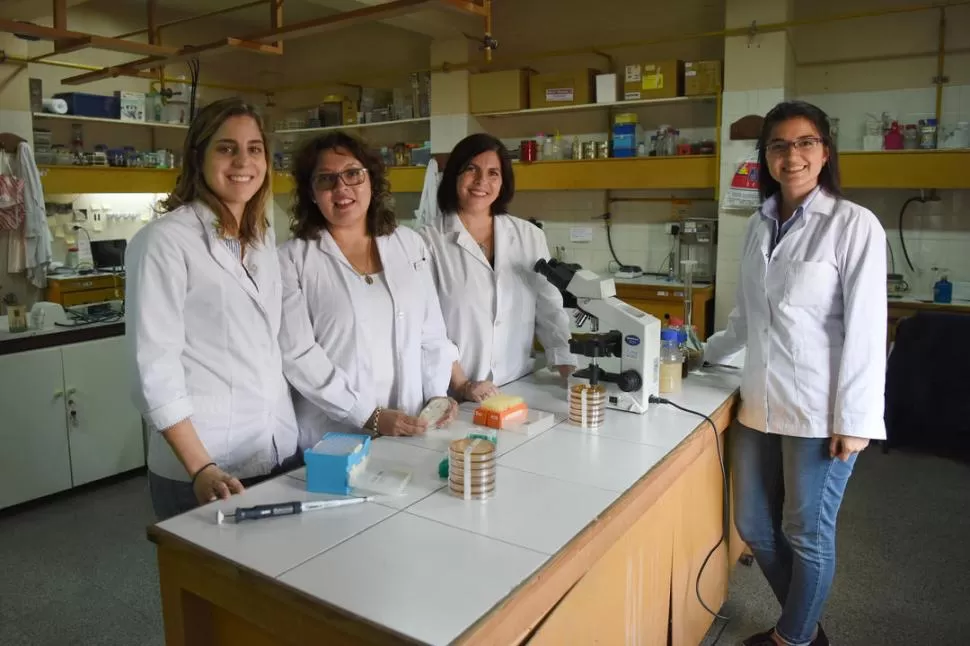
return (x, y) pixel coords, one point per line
(761, 639)
(765, 639)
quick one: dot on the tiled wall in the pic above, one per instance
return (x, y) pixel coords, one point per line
(906, 106)
(638, 230)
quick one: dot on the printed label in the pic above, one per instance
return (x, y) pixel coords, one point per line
(560, 95)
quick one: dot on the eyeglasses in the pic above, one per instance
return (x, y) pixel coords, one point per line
(803, 145)
(350, 177)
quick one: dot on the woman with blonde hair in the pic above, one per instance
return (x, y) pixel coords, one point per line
(203, 313)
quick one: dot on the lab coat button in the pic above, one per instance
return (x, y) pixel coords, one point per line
(400, 314)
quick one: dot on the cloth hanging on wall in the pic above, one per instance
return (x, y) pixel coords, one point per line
(29, 248)
(427, 212)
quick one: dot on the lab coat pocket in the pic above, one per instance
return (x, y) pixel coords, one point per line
(811, 284)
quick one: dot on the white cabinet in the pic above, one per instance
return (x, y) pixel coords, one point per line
(66, 419)
(103, 426)
(34, 455)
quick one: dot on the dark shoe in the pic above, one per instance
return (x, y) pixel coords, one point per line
(761, 639)
(765, 639)
(821, 639)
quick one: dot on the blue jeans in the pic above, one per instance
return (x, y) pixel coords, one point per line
(787, 493)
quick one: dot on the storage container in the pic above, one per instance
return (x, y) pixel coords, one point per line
(90, 105)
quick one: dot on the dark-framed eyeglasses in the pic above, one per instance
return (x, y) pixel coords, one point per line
(328, 181)
(804, 144)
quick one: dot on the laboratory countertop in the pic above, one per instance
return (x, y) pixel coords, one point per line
(13, 342)
(926, 301)
(428, 565)
(657, 281)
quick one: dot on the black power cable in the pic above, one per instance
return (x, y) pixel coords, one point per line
(902, 238)
(724, 499)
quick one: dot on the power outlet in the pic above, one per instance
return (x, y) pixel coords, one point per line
(672, 228)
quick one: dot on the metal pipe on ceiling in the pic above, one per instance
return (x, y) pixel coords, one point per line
(17, 60)
(208, 14)
(520, 59)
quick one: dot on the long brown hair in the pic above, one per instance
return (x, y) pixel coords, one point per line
(191, 184)
(308, 222)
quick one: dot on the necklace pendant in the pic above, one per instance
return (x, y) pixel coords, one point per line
(368, 280)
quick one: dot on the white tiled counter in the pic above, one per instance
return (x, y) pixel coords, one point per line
(590, 536)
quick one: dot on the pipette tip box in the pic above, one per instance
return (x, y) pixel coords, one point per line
(333, 461)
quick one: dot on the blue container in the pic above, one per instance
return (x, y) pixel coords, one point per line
(91, 105)
(625, 140)
(331, 462)
(943, 291)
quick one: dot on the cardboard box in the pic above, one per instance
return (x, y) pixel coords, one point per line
(131, 106)
(498, 91)
(607, 90)
(562, 88)
(658, 80)
(702, 77)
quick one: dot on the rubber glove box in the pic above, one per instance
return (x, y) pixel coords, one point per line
(333, 461)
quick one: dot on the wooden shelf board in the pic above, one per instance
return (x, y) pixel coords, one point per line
(106, 179)
(678, 172)
(399, 122)
(944, 169)
(616, 105)
(403, 180)
(71, 117)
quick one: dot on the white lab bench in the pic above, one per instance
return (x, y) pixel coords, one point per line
(66, 410)
(591, 535)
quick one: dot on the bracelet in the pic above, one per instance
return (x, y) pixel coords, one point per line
(375, 433)
(197, 473)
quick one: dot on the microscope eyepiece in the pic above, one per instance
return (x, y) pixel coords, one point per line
(556, 272)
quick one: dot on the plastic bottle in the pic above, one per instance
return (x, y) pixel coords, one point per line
(943, 290)
(540, 147)
(671, 362)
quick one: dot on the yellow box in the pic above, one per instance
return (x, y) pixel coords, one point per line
(658, 80)
(498, 91)
(562, 88)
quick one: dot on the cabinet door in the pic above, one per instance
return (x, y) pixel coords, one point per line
(34, 458)
(105, 431)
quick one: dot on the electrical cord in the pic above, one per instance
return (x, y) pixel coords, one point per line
(902, 238)
(724, 499)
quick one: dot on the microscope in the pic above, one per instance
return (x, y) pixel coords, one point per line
(625, 359)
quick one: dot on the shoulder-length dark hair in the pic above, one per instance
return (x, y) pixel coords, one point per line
(308, 222)
(463, 152)
(191, 185)
(829, 178)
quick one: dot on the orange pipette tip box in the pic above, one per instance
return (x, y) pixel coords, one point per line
(500, 411)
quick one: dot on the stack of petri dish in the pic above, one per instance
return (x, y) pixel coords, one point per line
(471, 468)
(587, 405)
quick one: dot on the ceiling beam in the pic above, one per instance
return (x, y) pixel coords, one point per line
(76, 39)
(265, 37)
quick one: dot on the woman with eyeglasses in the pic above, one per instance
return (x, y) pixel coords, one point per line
(493, 301)
(811, 311)
(363, 341)
(203, 298)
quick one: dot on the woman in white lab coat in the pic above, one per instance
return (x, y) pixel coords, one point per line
(494, 303)
(363, 341)
(811, 311)
(203, 313)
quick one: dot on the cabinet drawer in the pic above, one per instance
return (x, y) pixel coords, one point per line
(91, 296)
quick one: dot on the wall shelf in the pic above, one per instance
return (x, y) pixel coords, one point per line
(616, 105)
(359, 126)
(944, 169)
(73, 118)
(106, 179)
(679, 172)
(409, 179)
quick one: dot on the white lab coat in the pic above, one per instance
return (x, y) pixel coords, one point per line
(204, 341)
(812, 315)
(32, 253)
(428, 211)
(325, 350)
(493, 315)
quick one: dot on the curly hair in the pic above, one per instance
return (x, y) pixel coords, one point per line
(308, 222)
(191, 185)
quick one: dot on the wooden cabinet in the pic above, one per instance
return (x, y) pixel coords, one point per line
(668, 302)
(899, 310)
(104, 428)
(67, 419)
(34, 455)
